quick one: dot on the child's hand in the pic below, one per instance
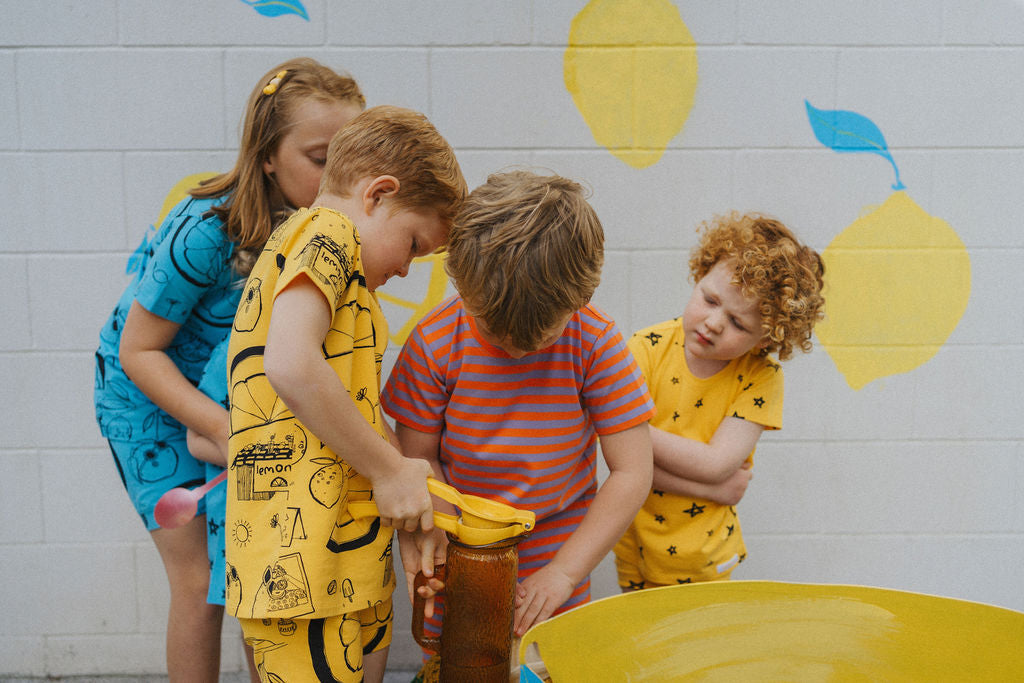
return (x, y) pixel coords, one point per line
(209, 450)
(731, 491)
(421, 551)
(539, 595)
(402, 498)
(223, 451)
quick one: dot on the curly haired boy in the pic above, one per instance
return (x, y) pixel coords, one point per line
(716, 389)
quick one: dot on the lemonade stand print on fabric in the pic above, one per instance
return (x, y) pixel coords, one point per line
(898, 279)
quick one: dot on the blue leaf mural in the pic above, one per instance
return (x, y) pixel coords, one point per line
(277, 8)
(848, 131)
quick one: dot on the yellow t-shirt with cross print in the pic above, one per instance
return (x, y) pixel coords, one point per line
(292, 548)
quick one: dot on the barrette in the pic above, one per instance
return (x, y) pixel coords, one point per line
(271, 88)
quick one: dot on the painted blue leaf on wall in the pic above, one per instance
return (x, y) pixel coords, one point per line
(848, 131)
(276, 8)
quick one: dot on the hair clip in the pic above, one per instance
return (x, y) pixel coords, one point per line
(271, 88)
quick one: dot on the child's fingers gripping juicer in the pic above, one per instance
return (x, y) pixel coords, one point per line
(479, 574)
(482, 521)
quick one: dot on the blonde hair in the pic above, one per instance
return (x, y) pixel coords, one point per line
(399, 142)
(784, 276)
(525, 251)
(253, 203)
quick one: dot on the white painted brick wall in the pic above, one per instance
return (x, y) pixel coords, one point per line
(215, 25)
(912, 482)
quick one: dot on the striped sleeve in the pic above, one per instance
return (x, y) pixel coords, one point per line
(614, 391)
(415, 393)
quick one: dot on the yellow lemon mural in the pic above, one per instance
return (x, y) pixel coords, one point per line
(426, 275)
(897, 279)
(631, 68)
(898, 283)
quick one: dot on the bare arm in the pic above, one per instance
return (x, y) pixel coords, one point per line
(422, 550)
(301, 376)
(710, 463)
(144, 358)
(628, 455)
(392, 437)
(205, 449)
(422, 445)
(729, 492)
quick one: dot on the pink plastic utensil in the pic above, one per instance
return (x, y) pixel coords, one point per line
(178, 506)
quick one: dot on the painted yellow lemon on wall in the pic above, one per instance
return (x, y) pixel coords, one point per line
(631, 68)
(897, 279)
(898, 283)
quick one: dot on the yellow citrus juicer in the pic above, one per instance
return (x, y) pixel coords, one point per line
(481, 521)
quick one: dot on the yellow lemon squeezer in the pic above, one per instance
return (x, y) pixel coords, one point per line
(481, 521)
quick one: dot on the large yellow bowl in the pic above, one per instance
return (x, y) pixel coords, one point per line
(769, 631)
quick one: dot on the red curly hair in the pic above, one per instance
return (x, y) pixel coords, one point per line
(771, 266)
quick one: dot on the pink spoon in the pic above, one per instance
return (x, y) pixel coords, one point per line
(178, 506)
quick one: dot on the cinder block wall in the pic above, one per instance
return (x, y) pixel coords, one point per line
(910, 482)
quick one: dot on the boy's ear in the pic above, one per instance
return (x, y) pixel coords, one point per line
(377, 190)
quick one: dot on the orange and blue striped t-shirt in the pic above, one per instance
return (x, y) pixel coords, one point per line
(523, 431)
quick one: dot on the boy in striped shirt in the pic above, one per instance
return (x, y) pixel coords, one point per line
(507, 388)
